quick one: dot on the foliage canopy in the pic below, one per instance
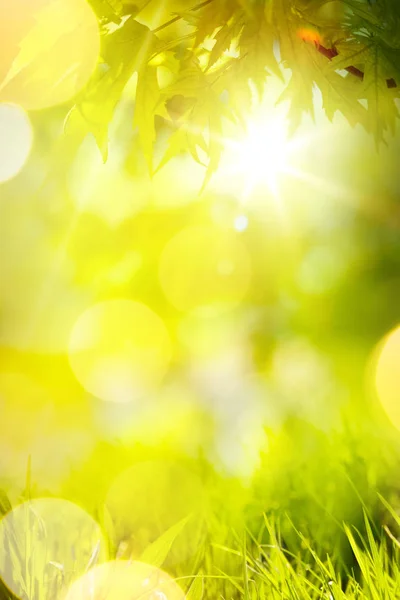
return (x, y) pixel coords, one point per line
(200, 66)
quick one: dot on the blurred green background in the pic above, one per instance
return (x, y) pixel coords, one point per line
(256, 328)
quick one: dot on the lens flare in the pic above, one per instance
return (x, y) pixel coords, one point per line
(261, 156)
(387, 376)
(310, 35)
(119, 350)
(47, 542)
(16, 137)
(241, 223)
(49, 50)
(123, 580)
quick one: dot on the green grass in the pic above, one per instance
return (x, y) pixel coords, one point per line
(270, 571)
(260, 566)
(317, 522)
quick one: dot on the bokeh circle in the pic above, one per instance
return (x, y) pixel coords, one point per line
(119, 350)
(47, 543)
(387, 370)
(125, 580)
(16, 138)
(49, 50)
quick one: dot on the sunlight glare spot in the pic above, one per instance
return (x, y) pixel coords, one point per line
(16, 137)
(241, 223)
(262, 155)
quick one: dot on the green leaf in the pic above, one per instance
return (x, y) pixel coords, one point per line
(381, 105)
(196, 590)
(343, 94)
(177, 144)
(190, 83)
(257, 45)
(223, 41)
(126, 51)
(156, 553)
(147, 99)
(205, 89)
(295, 55)
(338, 93)
(235, 82)
(350, 53)
(213, 16)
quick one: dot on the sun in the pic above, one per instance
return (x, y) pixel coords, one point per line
(262, 155)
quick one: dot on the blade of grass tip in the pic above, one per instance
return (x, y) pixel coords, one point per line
(395, 516)
(359, 555)
(270, 527)
(198, 560)
(277, 560)
(271, 581)
(196, 590)
(5, 504)
(257, 546)
(360, 498)
(254, 590)
(260, 535)
(323, 568)
(245, 571)
(157, 552)
(391, 536)
(226, 549)
(371, 542)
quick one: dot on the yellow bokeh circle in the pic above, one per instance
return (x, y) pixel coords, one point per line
(123, 580)
(204, 267)
(49, 50)
(119, 350)
(16, 137)
(151, 498)
(47, 543)
(387, 375)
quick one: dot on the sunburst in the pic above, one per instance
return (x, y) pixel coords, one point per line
(263, 155)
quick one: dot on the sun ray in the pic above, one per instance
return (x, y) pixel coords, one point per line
(266, 155)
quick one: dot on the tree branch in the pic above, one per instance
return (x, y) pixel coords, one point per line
(178, 17)
(330, 53)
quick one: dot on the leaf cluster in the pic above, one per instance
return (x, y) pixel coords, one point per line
(203, 65)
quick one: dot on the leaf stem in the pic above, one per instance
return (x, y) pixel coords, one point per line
(179, 17)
